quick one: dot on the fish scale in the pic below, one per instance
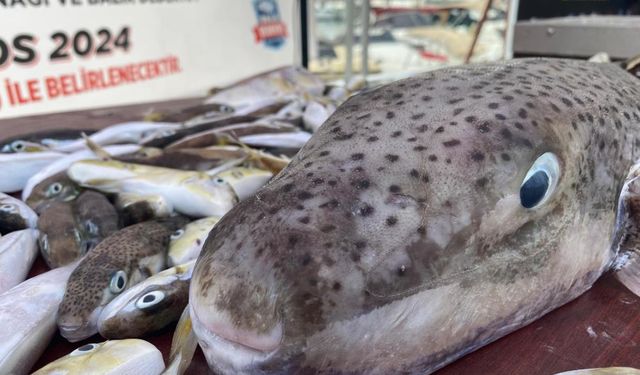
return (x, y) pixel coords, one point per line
(396, 241)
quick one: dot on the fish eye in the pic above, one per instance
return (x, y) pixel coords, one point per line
(150, 299)
(7, 208)
(118, 282)
(226, 109)
(18, 146)
(540, 181)
(91, 227)
(54, 189)
(219, 180)
(84, 349)
(177, 234)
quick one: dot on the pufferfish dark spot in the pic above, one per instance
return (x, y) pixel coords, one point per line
(392, 158)
(391, 221)
(361, 184)
(477, 156)
(304, 195)
(358, 156)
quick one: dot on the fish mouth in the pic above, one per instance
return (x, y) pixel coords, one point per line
(226, 355)
(75, 333)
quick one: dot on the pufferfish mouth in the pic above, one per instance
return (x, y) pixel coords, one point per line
(225, 346)
(75, 333)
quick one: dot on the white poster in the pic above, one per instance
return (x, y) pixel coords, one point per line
(63, 55)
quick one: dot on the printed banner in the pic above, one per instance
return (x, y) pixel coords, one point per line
(64, 55)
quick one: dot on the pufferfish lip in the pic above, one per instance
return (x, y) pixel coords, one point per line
(75, 333)
(236, 354)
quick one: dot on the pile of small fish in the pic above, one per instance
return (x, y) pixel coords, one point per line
(121, 214)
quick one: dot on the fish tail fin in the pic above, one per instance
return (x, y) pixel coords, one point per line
(225, 166)
(627, 263)
(96, 148)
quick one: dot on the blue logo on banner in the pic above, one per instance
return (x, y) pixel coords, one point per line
(270, 29)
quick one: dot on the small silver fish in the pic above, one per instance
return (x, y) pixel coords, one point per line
(280, 84)
(187, 242)
(63, 164)
(22, 146)
(245, 181)
(226, 134)
(148, 306)
(17, 169)
(293, 140)
(128, 132)
(41, 139)
(115, 357)
(18, 251)
(191, 193)
(119, 262)
(28, 316)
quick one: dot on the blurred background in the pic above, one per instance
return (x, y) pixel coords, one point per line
(401, 37)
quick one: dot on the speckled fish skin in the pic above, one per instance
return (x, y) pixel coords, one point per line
(18, 250)
(28, 316)
(139, 251)
(15, 215)
(148, 306)
(68, 230)
(115, 357)
(396, 242)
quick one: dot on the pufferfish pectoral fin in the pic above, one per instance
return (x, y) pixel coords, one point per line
(183, 346)
(603, 371)
(627, 238)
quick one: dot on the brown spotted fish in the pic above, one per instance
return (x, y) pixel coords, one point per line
(68, 230)
(425, 219)
(120, 261)
(57, 188)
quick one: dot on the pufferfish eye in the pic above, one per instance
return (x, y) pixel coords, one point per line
(150, 299)
(54, 189)
(18, 146)
(118, 282)
(84, 349)
(177, 234)
(540, 181)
